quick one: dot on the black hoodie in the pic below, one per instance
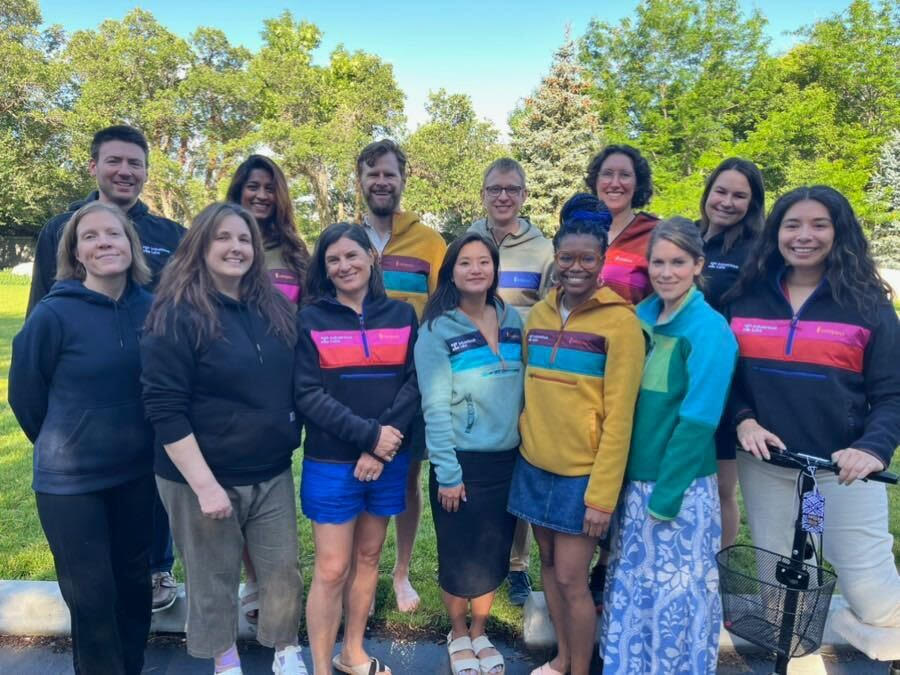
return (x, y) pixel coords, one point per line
(355, 373)
(74, 386)
(159, 238)
(234, 394)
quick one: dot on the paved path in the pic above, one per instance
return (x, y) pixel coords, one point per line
(166, 656)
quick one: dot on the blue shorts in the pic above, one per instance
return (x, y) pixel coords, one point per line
(329, 494)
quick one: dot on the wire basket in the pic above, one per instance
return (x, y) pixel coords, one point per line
(772, 601)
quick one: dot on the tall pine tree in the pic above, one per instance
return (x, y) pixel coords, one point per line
(555, 133)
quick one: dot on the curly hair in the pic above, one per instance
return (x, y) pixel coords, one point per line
(186, 281)
(280, 228)
(643, 189)
(583, 214)
(849, 267)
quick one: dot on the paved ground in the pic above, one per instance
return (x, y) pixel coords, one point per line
(167, 656)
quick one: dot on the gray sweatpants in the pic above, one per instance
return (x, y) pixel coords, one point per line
(265, 516)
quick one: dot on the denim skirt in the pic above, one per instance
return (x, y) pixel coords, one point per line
(547, 499)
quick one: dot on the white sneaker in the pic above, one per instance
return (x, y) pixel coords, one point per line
(289, 661)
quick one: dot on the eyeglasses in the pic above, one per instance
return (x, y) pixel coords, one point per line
(588, 261)
(511, 190)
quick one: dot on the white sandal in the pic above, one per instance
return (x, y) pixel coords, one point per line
(461, 644)
(488, 663)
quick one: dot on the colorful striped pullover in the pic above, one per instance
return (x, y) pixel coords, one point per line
(471, 396)
(354, 373)
(823, 378)
(526, 264)
(411, 259)
(581, 383)
(683, 391)
(625, 264)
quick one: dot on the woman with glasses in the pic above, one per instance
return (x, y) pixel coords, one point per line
(620, 177)
(585, 354)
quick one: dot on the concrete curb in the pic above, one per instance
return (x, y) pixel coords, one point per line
(37, 608)
(539, 633)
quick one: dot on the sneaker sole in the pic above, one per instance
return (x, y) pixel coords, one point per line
(163, 608)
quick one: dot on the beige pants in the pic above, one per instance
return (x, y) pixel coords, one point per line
(857, 541)
(265, 516)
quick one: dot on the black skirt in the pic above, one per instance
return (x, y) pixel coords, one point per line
(473, 543)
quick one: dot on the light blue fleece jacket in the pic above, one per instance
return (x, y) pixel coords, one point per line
(471, 397)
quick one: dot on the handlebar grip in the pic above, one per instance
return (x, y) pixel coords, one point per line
(884, 477)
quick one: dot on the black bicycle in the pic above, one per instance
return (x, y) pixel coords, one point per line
(777, 602)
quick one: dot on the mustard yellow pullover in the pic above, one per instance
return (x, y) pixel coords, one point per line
(581, 383)
(411, 260)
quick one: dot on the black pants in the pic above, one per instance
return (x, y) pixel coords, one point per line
(101, 548)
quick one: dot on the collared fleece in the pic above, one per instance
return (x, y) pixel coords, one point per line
(581, 383)
(683, 391)
(471, 396)
(526, 264)
(411, 260)
(625, 264)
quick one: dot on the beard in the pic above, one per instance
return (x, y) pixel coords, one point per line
(382, 209)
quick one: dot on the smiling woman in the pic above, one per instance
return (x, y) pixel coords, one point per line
(75, 390)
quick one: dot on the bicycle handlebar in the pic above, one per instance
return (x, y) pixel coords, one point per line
(800, 460)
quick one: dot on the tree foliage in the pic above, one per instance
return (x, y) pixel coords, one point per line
(448, 155)
(554, 134)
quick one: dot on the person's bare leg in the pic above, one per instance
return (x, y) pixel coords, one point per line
(481, 609)
(360, 587)
(334, 546)
(731, 513)
(545, 539)
(253, 614)
(458, 608)
(571, 559)
(407, 524)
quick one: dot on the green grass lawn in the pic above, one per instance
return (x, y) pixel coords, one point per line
(24, 553)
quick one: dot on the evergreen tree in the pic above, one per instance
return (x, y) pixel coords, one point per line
(554, 135)
(886, 190)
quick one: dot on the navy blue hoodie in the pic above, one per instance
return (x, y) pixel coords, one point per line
(159, 238)
(822, 379)
(355, 373)
(234, 393)
(74, 386)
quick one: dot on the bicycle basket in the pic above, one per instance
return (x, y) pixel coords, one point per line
(774, 602)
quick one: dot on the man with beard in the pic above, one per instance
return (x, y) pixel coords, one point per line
(119, 162)
(411, 254)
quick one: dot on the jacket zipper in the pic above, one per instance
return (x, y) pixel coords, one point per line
(795, 316)
(562, 330)
(362, 329)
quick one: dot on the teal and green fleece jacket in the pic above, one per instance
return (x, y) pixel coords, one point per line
(471, 396)
(526, 264)
(686, 378)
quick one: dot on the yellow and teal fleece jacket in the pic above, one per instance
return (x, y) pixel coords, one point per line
(581, 383)
(686, 379)
(411, 260)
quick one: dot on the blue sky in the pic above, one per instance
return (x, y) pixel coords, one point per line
(496, 52)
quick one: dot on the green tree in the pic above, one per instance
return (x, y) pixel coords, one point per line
(681, 80)
(448, 155)
(317, 118)
(554, 134)
(886, 193)
(33, 170)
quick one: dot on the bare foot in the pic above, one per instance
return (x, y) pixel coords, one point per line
(407, 598)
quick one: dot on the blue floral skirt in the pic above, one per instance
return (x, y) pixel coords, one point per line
(661, 611)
